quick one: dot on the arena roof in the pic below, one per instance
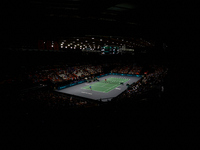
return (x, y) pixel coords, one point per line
(140, 18)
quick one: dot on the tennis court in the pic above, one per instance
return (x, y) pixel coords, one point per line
(106, 86)
(101, 89)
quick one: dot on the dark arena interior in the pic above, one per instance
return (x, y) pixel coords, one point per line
(53, 51)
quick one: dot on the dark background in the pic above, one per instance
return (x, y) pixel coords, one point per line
(173, 23)
(167, 22)
(164, 21)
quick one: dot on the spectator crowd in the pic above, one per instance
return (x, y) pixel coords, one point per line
(152, 78)
(150, 83)
(127, 69)
(64, 73)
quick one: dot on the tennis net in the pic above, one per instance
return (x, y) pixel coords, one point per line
(111, 82)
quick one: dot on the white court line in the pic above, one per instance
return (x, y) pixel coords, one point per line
(95, 90)
(99, 86)
(115, 86)
(111, 88)
(105, 90)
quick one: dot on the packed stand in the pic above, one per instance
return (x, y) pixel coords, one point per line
(152, 81)
(127, 69)
(64, 73)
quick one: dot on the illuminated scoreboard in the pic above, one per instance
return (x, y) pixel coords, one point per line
(110, 50)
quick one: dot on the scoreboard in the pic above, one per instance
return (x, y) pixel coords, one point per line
(109, 50)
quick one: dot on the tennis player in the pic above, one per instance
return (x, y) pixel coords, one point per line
(90, 88)
(105, 80)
